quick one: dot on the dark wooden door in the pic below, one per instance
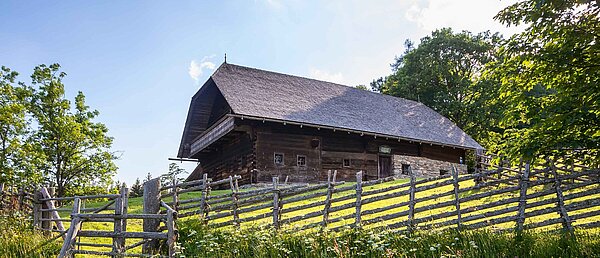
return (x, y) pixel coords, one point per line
(385, 166)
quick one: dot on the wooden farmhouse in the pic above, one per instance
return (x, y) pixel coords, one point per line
(260, 124)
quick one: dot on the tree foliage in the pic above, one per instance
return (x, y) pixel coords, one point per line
(14, 128)
(444, 73)
(550, 78)
(137, 189)
(74, 150)
(175, 172)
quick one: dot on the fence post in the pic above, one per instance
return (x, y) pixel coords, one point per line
(330, 189)
(1, 196)
(171, 232)
(118, 240)
(456, 197)
(234, 201)
(357, 219)
(560, 199)
(151, 206)
(411, 201)
(47, 193)
(46, 224)
(175, 195)
(203, 196)
(275, 203)
(69, 241)
(500, 167)
(21, 198)
(524, 182)
(37, 205)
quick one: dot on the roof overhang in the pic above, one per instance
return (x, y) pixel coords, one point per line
(349, 131)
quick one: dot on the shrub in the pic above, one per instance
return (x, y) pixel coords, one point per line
(199, 241)
(18, 239)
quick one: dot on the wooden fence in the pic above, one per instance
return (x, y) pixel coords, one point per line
(502, 196)
(499, 196)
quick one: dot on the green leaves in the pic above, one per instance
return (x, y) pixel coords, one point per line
(44, 139)
(14, 125)
(550, 78)
(444, 72)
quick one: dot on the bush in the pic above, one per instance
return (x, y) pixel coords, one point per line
(199, 241)
(18, 239)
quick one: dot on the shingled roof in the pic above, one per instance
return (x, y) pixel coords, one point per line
(264, 94)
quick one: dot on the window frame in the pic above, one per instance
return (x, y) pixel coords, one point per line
(298, 161)
(282, 159)
(344, 162)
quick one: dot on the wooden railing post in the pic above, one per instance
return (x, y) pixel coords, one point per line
(275, 203)
(357, 219)
(234, 201)
(1, 196)
(175, 189)
(69, 242)
(500, 167)
(37, 205)
(330, 190)
(119, 224)
(171, 232)
(523, 183)
(204, 196)
(411, 201)
(46, 224)
(151, 206)
(456, 197)
(560, 203)
(47, 193)
(21, 199)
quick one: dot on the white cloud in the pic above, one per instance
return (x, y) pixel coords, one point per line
(472, 15)
(197, 68)
(325, 76)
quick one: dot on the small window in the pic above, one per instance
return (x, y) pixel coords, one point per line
(443, 172)
(301, 160)
(346, 163)
(278, 159)
(405, 169)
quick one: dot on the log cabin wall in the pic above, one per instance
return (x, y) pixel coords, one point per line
(255, 144)
(233, 156)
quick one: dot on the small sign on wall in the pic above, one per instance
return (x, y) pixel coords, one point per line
(385, 149)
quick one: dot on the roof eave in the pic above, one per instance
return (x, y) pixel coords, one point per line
(285, 122)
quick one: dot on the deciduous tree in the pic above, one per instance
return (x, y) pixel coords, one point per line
(550, 78)
(14, 127)
(444, 73)
(74, 149)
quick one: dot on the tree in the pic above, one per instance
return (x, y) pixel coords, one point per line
(174, 172)
(444, 73)
(137, 189)
(74, 150)
(14, 126)
(550, 79)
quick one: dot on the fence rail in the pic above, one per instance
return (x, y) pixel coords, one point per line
(500, 195)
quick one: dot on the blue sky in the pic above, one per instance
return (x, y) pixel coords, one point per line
(139, 62)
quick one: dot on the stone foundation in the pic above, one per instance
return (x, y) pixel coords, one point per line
(424, 167)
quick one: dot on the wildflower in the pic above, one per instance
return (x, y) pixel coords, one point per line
(432, 248)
